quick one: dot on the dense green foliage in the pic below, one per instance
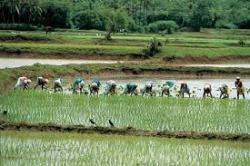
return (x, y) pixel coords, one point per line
(18, 148)
(167, 27)
(89, 14)
(171, 114)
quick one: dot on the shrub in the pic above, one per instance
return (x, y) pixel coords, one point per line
(225, 24)
(242, 42)
(167, 27)
(153, 47)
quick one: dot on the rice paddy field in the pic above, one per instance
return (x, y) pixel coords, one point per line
(229, 117)
(36, 148)
(170, 114)
(209, 43)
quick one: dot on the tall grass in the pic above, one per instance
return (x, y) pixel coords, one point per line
(172, 114)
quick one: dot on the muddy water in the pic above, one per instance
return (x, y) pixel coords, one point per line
(16, 62)
(195, 85)
(222, 65)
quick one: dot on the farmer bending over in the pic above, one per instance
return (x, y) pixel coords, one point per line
(207, 90)
(240, 88)
(165, 90)
(131, 89)
(22, 82)
(184, 89)
(224, 91)
(111, 87)
(94, 87)
(41, 82)
(148, 88)
(58, 85)
(78, 84)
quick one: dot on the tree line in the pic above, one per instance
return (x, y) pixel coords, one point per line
(164, 16)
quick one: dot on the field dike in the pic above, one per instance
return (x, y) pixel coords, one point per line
(128, 131)
(167, 59)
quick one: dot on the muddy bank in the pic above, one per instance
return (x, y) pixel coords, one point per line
(207, 60)
(128, 131)
(31, 55)
(170, 60)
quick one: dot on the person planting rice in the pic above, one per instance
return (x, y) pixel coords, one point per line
(165, 90)
(94, 86)
(58, 85)
(41, 82)
(240, 88)
(184, 89)
(207, 90)
(22, 82)
(148, 88)
(131, 89)
(111, 87)
(78, 84)
(224, 91)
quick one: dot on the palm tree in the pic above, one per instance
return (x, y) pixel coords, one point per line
(32, 8)
(14, 8)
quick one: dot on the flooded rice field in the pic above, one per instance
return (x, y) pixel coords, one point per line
(222, 65)
(195, 85)
(17, 62)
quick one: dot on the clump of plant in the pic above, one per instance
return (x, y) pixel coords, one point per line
(153, 47)
(242, 42)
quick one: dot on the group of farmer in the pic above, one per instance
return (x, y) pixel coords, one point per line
(130, 88)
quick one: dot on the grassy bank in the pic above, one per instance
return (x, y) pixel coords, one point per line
(35, 148)
(171, 114)
(208, 43)
(9, 76)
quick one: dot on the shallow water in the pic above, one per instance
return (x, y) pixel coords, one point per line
(195, 85)
(222, 65)
(16, 62)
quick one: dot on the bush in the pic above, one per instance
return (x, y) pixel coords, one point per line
(88, 20)
(18, 27)
(153, 47)
(225, 24)
(244, 24)
(167, 27)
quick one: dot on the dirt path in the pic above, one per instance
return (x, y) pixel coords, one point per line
(129, 131)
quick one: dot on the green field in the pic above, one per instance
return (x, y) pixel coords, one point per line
(170, 114)
(209, 43)
(35, 148)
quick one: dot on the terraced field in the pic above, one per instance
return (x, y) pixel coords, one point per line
(86, 44)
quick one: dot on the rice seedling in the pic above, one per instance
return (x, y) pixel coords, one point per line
(34, 148)
(172, 114)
